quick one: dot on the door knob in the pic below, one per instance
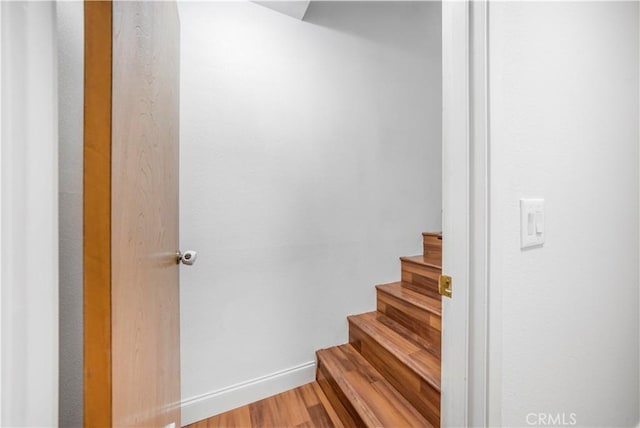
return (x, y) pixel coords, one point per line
(188, 257)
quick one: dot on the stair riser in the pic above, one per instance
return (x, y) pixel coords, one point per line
(418, 392)
(338, 400)
(432, 249)
(420, 278)
(424, 323)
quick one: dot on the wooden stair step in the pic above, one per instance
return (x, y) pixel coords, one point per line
(421, 274)
(431, 345)
(408, 366)
(359, 394)
(404, 349)
(421, 261)
(418, 313)
(432, 247)
(401, 291)
(435, 234)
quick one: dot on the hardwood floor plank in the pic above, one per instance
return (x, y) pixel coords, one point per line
(306, 406)
(241, 417)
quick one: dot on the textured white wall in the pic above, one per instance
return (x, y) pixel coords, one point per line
(564, 127)
(70, 31)
(310, 160)
(29, 256)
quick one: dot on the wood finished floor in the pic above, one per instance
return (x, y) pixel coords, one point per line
(305, 406)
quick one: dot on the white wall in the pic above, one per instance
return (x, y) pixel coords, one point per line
(310, 160)
(70, 32)
(564, 127)
(29, 256)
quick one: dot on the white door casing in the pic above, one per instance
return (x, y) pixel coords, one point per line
(465, 339)
(455, 210)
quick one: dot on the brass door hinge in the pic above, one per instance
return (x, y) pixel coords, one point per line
(444, 285)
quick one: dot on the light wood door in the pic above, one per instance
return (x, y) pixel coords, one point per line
(132, 344)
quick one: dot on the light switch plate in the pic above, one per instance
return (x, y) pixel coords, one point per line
(531, 222)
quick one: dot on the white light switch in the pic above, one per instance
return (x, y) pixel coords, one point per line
(531, 222)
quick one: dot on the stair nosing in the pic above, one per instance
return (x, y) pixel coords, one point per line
(409, 259)
(438, 234)
(412, 301)
(404, 358)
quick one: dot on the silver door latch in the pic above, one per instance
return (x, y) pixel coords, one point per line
(188, 257)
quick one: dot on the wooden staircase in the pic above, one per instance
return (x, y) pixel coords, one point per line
(388, 375)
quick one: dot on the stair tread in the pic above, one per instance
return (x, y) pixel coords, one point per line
(408, 334)
(422, 301)
(421, 260)
(410, 352)
(369, 393)
(438, 234)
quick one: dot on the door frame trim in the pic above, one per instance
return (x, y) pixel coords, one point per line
(97, 391)
(468, 379)
(2, 207)
(480, 359)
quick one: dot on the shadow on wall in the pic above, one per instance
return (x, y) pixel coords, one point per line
(412, 34)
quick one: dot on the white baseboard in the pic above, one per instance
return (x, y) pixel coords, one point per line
(211, 403)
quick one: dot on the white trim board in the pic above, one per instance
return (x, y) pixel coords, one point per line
(1, 208)
(205, 405)
(480, 386)
(454, 405)
(468, 386)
